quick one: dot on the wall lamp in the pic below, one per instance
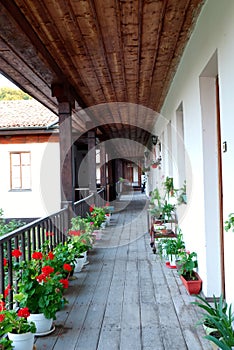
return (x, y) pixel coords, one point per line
(154, 140)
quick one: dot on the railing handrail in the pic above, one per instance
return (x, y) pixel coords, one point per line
(30, 225)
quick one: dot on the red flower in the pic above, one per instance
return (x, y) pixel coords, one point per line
(2, 317)
(91, 208)
(50, 256)
(47, 270)
(74, 232)
(67, 267)
(5, 262)
(16, 253)
(24, 312)
(49, 234)
(37, 255)
(64, 282)
(6, 291)
(41, 278)
(2, 305)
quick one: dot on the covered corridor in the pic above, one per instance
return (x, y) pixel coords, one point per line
(126, 298)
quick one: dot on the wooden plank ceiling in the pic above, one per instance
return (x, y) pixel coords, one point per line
(114, 58)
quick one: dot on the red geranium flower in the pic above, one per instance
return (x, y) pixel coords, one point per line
(6, 291)
(41, 278)
(74, 232)
(47, 270)
(5, 262)
(91, 208)
(67, 267)
(2, 305)
(64, 282)
(2, 317)
(24, 312)
(50, 256)
(49, 234)
(37, 255)
(16, 253)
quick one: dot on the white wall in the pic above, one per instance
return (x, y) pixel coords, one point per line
(214, 31)
(44, 197)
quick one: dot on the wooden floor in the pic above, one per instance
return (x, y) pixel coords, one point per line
(125, 298)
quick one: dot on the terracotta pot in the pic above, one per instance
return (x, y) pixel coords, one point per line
(192, 286)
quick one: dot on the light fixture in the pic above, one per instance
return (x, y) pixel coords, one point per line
(146, 154)
(154, 140)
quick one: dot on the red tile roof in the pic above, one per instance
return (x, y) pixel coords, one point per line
(25, 114)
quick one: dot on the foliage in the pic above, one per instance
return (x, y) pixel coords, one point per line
(96, 216)
(229, 223)
(214, 310)
(6, 344)
(223, 323)
(80, 242)
(188, 262)
(10, 226)
(81, 224)
(167, 211)
(7, 94)
(40, 286)
(15, 321)
(172, 246)
(64, 253)
(181, 194)
(169, 186)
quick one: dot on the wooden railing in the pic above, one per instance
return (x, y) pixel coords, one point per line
(32, 236)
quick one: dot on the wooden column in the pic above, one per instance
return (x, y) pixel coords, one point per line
(66, 143)
(103, 165)
(92, 160)
(65, 136)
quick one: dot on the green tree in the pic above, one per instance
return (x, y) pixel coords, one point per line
(9, 94)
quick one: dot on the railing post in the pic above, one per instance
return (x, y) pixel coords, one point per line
(69, 214)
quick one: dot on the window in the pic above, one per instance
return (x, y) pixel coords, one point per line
(20, 163)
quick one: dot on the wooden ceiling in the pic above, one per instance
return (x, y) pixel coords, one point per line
(109, 56)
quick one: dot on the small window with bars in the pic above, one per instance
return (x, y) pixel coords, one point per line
(20, 163)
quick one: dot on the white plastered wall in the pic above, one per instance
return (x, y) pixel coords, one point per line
(214, 32)
(44, 197)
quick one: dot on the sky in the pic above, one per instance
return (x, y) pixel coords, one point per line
(4, 82)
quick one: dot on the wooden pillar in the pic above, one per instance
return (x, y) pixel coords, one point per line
(66, 144)
(65, 137)
(103, 165)
(92, 160)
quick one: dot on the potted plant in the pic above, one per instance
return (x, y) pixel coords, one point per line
(16, 326)
(224, 326)
(173, 247)
(212, 310)
(169, 186)
(40, 288)
(188, 275)
(96, 216)
(181, 194)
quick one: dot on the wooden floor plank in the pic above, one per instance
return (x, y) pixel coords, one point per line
(125, 298)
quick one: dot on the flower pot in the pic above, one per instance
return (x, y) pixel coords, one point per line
(172, 260)
(208, 329)
(192, 286)
(85, 262)
(43, 324)
(79, 263)
(98, 234)
(23, 341)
